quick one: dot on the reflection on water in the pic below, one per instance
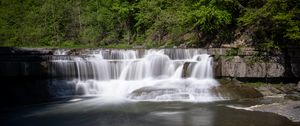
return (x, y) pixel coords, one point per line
(95, 112)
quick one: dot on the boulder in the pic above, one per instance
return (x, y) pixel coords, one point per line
(231, 91)
(298, 86)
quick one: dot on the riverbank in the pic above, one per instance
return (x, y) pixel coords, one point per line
(282, 99)
(290, 107)
(287, 108)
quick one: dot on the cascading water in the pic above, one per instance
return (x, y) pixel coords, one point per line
(138, 75)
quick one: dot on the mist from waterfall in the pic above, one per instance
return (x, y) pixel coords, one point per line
(136, 75)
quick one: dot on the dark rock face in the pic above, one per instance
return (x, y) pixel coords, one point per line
(186, 71)
(23, 75)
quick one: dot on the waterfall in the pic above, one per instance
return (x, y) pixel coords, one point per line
(137, 75)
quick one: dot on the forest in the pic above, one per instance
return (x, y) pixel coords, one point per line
(269, 24)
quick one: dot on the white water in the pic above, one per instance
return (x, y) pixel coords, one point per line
(150, 75)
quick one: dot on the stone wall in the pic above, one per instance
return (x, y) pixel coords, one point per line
(248, 64)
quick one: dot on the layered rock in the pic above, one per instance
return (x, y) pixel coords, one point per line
(247, 64)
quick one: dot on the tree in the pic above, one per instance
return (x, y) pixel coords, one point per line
(276, 23)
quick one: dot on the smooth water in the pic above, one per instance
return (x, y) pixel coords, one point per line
(85, 111)
(137, 75)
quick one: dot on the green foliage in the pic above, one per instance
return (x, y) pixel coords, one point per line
(229, 54)
(256, 84)
(254, 59)
(208, 18)
(118, 46)
(68, 43)
(232, 52)
(276, 23)
(150, 23)
(261, 84)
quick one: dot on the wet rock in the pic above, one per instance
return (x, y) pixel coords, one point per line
(289, 109)
(288, 88)
(151, 93)
(295, 97)
(232, 89)
(237, 92)
(288, 91)
(268, 90)
(185, 71)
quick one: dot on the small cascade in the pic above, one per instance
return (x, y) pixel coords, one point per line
(138, 75)
(178, 72)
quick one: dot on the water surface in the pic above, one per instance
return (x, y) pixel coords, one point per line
(85, 111)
